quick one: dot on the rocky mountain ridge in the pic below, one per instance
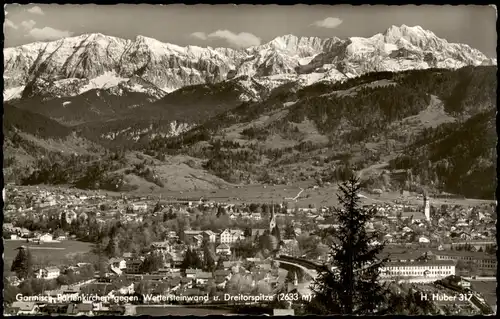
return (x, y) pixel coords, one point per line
(74, 65)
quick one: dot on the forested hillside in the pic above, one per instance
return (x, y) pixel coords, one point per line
(456, 158)
(16, 119)
(437, 125)
(352, 125)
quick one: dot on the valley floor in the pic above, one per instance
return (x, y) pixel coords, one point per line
(325, 196)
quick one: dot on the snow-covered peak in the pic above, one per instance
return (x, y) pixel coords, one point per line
(405, 30)
(416, 35)
(77, 63)
(294, 46)
(91, 36)
(156, 45)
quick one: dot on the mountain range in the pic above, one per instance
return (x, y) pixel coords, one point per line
(74, 65)
(397, 107)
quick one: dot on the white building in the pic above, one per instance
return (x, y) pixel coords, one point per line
(133, 266)
(48, 273)
(256, 216)
(119, 263)
(229, 236)
(139, 206)
(210, 236)
(424, 240)
(46, 238)
(435, 269)
(427, 208)
(223, 249)
(191, 273)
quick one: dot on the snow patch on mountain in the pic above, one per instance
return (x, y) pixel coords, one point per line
(308, 79)
(104, 81)
(13, 93)
(251, 89)
(306, 60)
(173, 128)
(389, 47)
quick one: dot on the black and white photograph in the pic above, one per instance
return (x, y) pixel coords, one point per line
(174, 159)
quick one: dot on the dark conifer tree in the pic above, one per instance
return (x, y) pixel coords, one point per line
(208, 257)
(191, 260)
(221, 211)
(23, 263)
(350, 283)
(247, 232)
(151, 263)
(112, 249)
(64, 222)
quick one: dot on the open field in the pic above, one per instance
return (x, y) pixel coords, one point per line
(326, 196)
(52, 252)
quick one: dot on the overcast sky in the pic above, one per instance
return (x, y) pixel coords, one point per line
(245, 25)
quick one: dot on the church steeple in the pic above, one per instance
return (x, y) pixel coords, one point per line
(272, 221)
(427, 207)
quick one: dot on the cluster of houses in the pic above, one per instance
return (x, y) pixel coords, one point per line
(401, 222)
(124, 278)
(75, 205)
(19, 233)
(404, 223)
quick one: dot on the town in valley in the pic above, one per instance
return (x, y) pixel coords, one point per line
(249, 160)
(260, 248)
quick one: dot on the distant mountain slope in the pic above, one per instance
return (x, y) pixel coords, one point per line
(132, 118)
(198, 102)
(319, 131)
(30, 137)
(16, 119)
(91, 106)
(72, 66)
(171, 115)
(39, 150)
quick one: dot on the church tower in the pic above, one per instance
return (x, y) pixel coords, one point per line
(427, 208)
(272, 221)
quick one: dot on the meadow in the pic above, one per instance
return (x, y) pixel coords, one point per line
(52, 253)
